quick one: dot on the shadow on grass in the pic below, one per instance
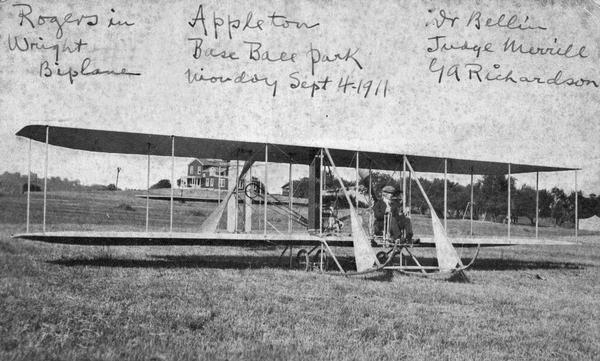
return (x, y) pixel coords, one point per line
(192, 261)
(491, 264)
(506, 264)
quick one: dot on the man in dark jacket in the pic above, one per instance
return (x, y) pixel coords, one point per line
(398, 221)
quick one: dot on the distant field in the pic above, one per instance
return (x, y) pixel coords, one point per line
(187, 303)
(102, 209)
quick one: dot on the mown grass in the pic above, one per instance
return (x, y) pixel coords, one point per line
(185, 303)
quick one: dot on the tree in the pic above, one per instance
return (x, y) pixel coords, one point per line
(546, 200)
(117, 182)
(33, 188)
(559, 206)
(163, 183)
(491, 195)
(458, 198)
(588, 205)
(301, 185)
(524, 203)
(596, 200)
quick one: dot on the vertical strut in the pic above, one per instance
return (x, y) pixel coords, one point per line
(266, 188)
(237, 192)
(219, 183)
(446, 194)
(403, 182)
(172, 181)
(28, 183)
(409, 193)
(471, 203)
(371, 200)
(321, 192)
(537, 203)
(247, 201)
(45, 179)
(290, 201)
(508, 206)
(576, 209)
(370, 184)
(291, 192)
(148, 188)
(356, 192)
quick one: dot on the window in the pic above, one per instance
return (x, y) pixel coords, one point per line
(222, 183)
(191, 171)
(212, 182)
(199, 170)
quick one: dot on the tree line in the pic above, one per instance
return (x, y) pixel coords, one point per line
(489, 198)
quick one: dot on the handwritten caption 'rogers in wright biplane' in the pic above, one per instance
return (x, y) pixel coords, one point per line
(223, 37)
(51, 35)
(524, 40)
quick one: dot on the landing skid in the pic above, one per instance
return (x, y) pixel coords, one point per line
(429, 271)
(320, 257)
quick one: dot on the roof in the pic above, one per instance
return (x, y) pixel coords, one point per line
(155, 144)
(210, 162)
(590, 224)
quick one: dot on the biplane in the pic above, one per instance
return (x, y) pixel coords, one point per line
(318, 242)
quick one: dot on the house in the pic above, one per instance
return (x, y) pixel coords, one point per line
(285, 189)
(206, 174)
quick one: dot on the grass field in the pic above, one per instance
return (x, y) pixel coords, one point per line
(185, 303)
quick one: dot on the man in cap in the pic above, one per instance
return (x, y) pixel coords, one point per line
(398, 221)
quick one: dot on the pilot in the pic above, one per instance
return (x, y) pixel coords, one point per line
(388, 205)
(333, 223)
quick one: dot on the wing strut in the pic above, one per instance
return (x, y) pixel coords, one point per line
(45, 179)
(363, 252)
(211, 223)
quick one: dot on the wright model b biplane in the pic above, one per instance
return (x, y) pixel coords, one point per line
(318, 243)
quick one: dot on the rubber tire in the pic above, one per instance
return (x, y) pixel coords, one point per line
(382, 257)
(317, 259)
(302, 260)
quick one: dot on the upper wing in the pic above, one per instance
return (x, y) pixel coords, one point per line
(155, 144)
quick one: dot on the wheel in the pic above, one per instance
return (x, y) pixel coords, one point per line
(302, 260)
(382, 257)
(317, 259)
(253, 190)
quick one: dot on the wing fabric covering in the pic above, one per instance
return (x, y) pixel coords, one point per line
(364, 254)
(211, 223)
(106, 141)
(446, 254)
